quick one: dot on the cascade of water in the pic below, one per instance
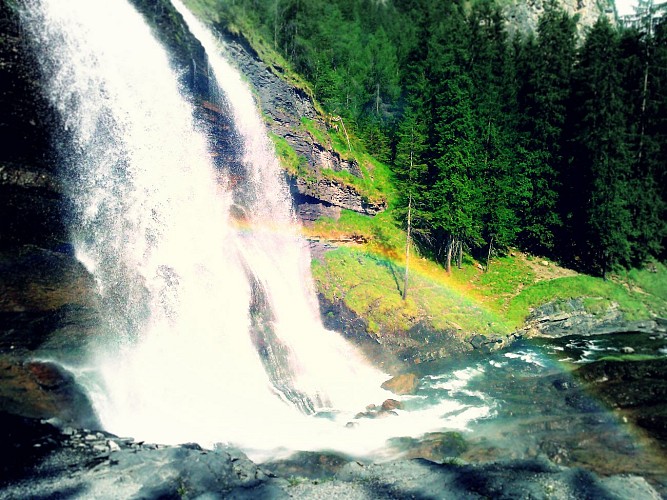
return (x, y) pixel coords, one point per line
(191, 298)
(322, 365)
(152, 225)
(177, 361)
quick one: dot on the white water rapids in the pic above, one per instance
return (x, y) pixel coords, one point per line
(176, 361)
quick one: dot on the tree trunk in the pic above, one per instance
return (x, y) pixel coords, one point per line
(488, 256)
(459, 245)
(407, 250)
(450, 244)
(649, 33)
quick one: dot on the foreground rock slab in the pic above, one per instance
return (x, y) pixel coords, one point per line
(40, 461)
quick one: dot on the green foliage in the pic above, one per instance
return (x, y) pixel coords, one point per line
(529, 141)
(370, 285)
(652, 279)
(375, 183)
(289, 159)
(629, 357)
(603, 163)
(380, 231)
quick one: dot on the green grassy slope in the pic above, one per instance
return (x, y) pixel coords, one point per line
(368, 277)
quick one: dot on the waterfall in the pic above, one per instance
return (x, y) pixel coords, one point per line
(324, 365)
(177, 357)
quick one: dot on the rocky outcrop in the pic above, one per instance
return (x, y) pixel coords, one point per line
(393, 351)
(405, 383)
(333, 192)
(523, 16)
(38, 461)
(31, 201)
(41, 389)
(562, 318)
(285, 106)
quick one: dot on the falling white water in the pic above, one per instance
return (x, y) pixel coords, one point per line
(153, 227)
(176, 359)
(324, 364)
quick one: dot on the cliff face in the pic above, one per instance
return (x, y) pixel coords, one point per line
(522, 16)
(285, 106)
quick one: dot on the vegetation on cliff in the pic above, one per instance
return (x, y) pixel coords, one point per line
(548, 142)
(368, 279)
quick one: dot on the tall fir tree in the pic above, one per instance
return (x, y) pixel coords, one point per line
(603, 166)
(545, 68)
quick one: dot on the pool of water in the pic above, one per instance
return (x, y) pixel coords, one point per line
(530, 403)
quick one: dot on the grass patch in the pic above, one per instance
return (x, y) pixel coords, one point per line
(469, 299)
(381, 232)
(371, 285)
(652, 285)
(629, 357)
(289, 159)
(597, 306)
(506, 277)
(631, 304)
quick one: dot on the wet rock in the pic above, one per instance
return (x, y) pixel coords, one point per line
(39, 462)
(402, 384)
(43, 390)
(582, 402)
(563, 318)
(562, 384)
(312, 465)
(435, 446)
(487, 344)
(637, 388)
(557, 452)
(391, 404)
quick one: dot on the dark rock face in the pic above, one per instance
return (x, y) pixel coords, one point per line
(30, 199)
(44, 390)
(570, 317)
(286, 106)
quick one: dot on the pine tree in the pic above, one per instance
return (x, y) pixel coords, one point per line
(603, 166)
(545, 66)
(411, 176)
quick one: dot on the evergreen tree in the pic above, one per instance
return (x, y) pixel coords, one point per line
(411, 176)
(545, 66)
(603, 166)
(643, 113)
(456, 192)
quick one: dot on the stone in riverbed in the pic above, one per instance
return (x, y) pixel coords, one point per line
(405, 383)
(391, 404)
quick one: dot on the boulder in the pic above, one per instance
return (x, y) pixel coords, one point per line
(405, 383)
(39, 389)
(391, 404)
